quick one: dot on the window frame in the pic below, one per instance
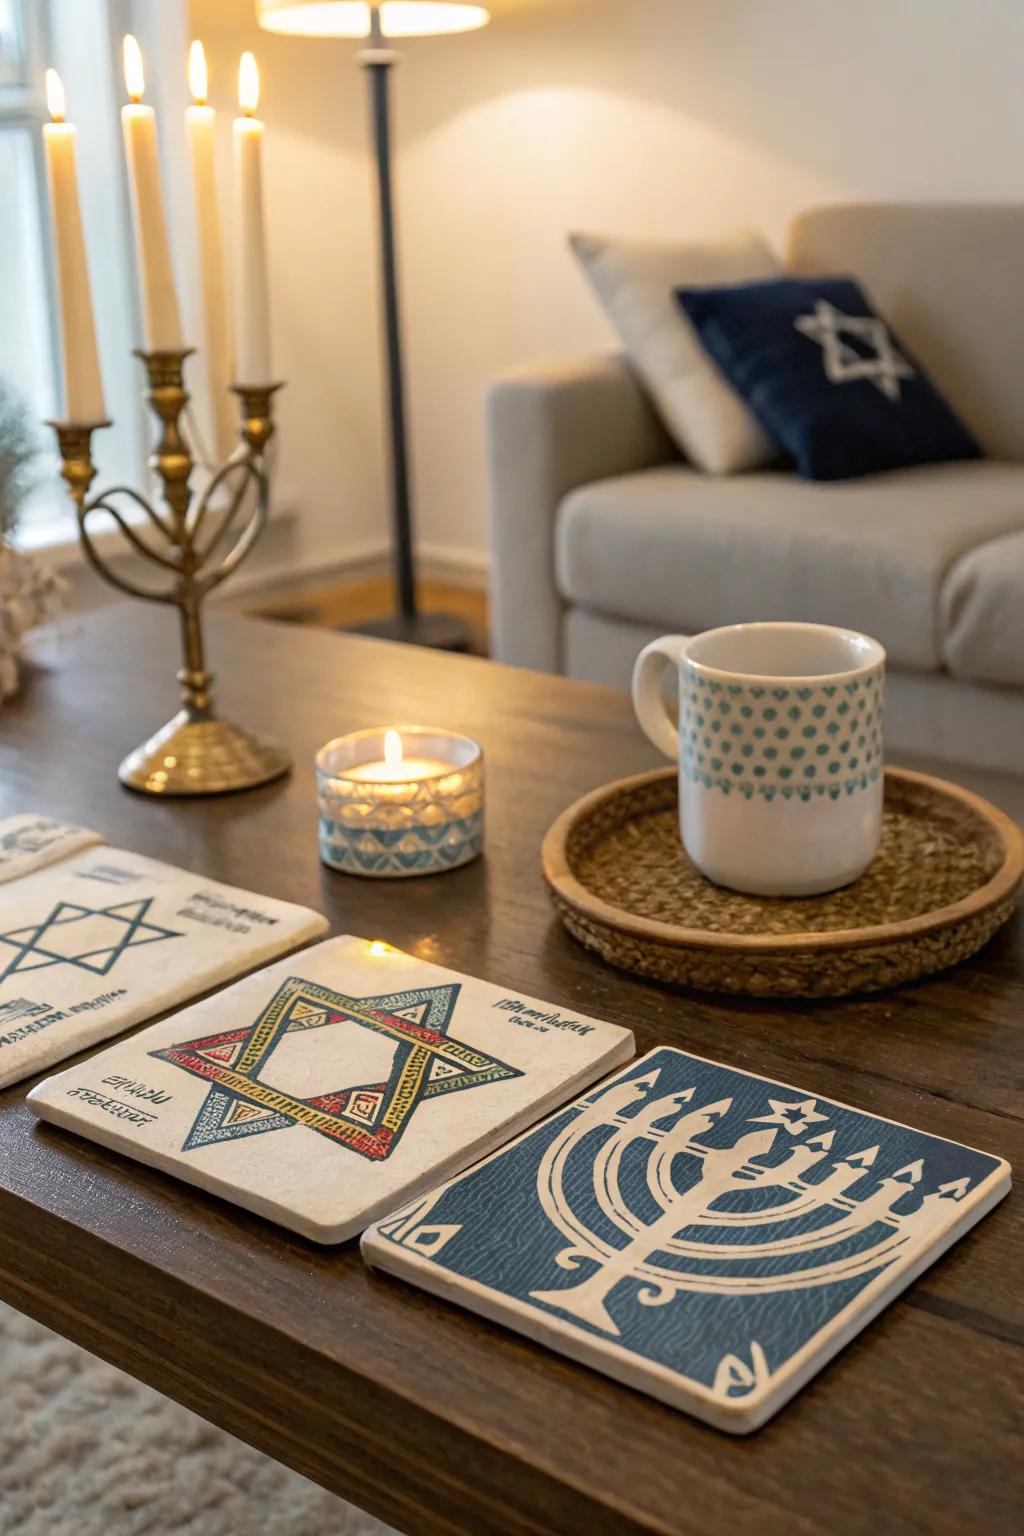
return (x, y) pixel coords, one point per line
(45, 26)
(23, 106)
(48, 524)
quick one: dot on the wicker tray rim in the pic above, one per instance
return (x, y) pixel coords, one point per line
(568, 889)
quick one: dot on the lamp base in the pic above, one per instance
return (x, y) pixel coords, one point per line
(436, 631)
(196, 754)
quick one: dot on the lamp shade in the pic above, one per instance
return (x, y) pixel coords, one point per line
(351, 18)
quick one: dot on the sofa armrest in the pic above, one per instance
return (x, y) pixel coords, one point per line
(550, 429)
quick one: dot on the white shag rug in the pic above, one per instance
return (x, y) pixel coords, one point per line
(87, 1451)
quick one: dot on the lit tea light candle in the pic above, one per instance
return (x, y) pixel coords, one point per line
(400, 802)
(396, 768)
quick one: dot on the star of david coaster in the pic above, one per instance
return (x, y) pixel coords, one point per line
(705, 1235)
(32, 842)
(104, 939)
(328, 1089)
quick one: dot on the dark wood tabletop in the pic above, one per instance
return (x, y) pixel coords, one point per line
(421, 1413)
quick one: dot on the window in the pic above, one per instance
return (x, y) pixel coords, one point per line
(82, 40)
(27, 341)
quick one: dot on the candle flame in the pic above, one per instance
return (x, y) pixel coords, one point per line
(134, 76)
(55, 96)
(393, 751)
(248, 84)
(198, 78)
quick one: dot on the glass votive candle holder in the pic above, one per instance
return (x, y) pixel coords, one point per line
(400, 801)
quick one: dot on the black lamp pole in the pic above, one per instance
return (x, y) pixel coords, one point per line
(441, 631)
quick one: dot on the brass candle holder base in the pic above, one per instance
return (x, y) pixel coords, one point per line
(198, 544)
(196, 754)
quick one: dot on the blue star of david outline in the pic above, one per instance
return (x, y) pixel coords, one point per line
(32, 954)
(429, 1008)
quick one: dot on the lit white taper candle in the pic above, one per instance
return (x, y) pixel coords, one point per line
(83, 386)
(252, 312)
(160, 316)
(200, 130)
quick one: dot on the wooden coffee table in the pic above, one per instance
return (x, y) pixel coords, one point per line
(418, 1412)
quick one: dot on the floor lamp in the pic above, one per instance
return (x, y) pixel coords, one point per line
(379, 22)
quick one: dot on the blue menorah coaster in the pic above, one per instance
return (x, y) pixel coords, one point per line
(705, 1235)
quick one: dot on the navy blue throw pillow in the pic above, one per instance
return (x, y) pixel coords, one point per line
(825, 376)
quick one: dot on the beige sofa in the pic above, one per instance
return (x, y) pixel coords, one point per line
(603, 537)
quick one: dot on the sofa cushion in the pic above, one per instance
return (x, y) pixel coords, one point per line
(983, 614)
(947, 277)
(825, 376)
(927, 713)
(635, 282)
(670, 547)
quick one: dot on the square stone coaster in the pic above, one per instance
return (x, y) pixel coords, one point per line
(104, 939)
(29, 842)
(705, 1235)
(328, 1089)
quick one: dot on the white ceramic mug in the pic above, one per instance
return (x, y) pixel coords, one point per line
(780, 751)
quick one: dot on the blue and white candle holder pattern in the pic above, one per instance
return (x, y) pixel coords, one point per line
(391, 828)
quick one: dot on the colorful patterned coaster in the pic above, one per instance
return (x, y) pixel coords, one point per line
(325, 1091)
(105, 938)
(705, 1235)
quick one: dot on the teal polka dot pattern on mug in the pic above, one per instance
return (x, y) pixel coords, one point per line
(799, 741)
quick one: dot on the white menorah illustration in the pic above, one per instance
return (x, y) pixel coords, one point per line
(722, 1171)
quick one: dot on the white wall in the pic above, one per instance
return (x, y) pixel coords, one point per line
(652, 116)
(322, 273)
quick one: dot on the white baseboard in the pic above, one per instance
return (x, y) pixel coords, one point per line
(454, 564)
(366, 561)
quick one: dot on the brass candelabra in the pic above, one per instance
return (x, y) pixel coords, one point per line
(198, 543)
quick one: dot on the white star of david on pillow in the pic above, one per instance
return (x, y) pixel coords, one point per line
(843, 363)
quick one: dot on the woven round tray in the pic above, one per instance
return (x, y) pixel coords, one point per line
(945, 878)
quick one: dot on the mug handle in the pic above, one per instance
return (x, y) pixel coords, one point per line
(648, 701)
